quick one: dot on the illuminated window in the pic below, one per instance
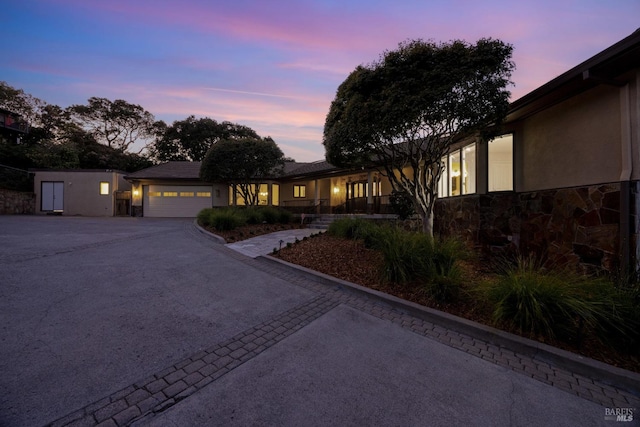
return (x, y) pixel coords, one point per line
(469, 169)
(203, 194)
(155, 194)
(187, 194)
(170, 194)
(104, 188)
(275, 194)
(263, 194)
(501, 163)
(458, 174)
(299, 191)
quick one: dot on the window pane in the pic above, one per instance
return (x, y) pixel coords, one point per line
(170, 194)
(104, 188)
(203, 194)
(454, 172)
(263, 194)
(275, 194)
(443, 188)
(469, 169)
(501, 163)
(187, 194)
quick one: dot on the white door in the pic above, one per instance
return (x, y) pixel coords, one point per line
(173, 201)
(52, 196)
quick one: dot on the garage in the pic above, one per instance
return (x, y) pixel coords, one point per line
(171, 201)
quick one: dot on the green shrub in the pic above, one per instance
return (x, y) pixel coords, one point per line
(351, 228)
(284, 216)
(270, 215)
(252, 215)
(225, 220)
(401, 204)
(549, 303)
(204, 217)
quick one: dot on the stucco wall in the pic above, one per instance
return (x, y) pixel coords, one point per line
(82, 191)
(577, 142)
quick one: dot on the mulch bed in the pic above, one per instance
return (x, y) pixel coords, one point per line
(350, 260)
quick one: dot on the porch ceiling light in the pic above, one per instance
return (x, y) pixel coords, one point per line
(336, 190)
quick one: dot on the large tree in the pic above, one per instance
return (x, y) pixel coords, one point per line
(190, 139)
(116, 124)
(403, 112)
(243, 163)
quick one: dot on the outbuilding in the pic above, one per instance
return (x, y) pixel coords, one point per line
(87, 192)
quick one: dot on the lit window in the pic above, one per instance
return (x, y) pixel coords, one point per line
(187, 194)
(170, 194)
(104, 188)
(299, 191)
(501, 163)
(469, 169)
(203, 194)
(275, 194)
(263, 194)
(155, 194)
(454, 173)
(458, 174)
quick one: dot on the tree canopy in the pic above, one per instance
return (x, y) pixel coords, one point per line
(190, 139)
(116, 124)
(243, 163)
(403, 112)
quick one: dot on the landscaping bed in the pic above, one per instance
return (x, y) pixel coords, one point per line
(350, 260)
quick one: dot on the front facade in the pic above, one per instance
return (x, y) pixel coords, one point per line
(82, 192)
(560, 180)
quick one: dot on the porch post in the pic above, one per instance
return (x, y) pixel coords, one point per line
(316, 196)
(369, 192)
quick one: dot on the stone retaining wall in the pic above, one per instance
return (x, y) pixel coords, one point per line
(571, 226)
(16, 202)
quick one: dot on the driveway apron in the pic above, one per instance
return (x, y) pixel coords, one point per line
(136, 321)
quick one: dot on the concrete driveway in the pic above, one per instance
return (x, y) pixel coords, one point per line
(142, 321)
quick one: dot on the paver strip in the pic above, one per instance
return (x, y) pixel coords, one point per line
(177, 382)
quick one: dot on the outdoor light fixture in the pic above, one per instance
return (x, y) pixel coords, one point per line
(136, 193)
(336, 190)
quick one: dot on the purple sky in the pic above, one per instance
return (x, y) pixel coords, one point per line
(274, 65)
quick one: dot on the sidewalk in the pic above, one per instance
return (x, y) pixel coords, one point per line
(265, 244)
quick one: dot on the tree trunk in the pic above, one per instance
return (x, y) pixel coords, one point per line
(427, 223)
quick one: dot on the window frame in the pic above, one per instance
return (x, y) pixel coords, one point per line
(300, 191)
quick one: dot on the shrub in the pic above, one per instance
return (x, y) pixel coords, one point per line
(549, 303)
(204, 217)
(284, 216)
(225, 220)
(351, 228)
(401, 204)
(269, 215)
(252, 215)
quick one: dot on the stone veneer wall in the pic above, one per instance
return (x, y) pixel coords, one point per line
(570, 226)
(16, 202)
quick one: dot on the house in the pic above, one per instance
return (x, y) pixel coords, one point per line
(82, 192)
(561, 180)
(12, 126)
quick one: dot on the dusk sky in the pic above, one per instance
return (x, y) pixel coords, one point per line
(274, 65)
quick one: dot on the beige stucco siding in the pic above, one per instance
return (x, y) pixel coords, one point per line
(81, 191)
(576, 142)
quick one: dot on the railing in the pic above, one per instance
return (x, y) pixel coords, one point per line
(307, 206)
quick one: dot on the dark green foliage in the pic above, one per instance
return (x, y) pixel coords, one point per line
(284, 217)
(225, 220)
(538, 302)
(404, 111)
(241, 163)
(409, 257)
(204, 217)
(401, 204)
(270, 215)
(191, 138)
(252, 215)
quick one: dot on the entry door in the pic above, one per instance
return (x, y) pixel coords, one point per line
(52, 196)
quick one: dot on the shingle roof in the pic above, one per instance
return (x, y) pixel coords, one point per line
(191, 170)
(169, 170)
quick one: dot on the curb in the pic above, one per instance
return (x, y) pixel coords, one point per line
(621, 378)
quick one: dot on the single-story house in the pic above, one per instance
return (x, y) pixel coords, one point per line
(562, 178)
(87, 192)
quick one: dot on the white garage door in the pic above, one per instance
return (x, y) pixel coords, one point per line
(171, 201)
